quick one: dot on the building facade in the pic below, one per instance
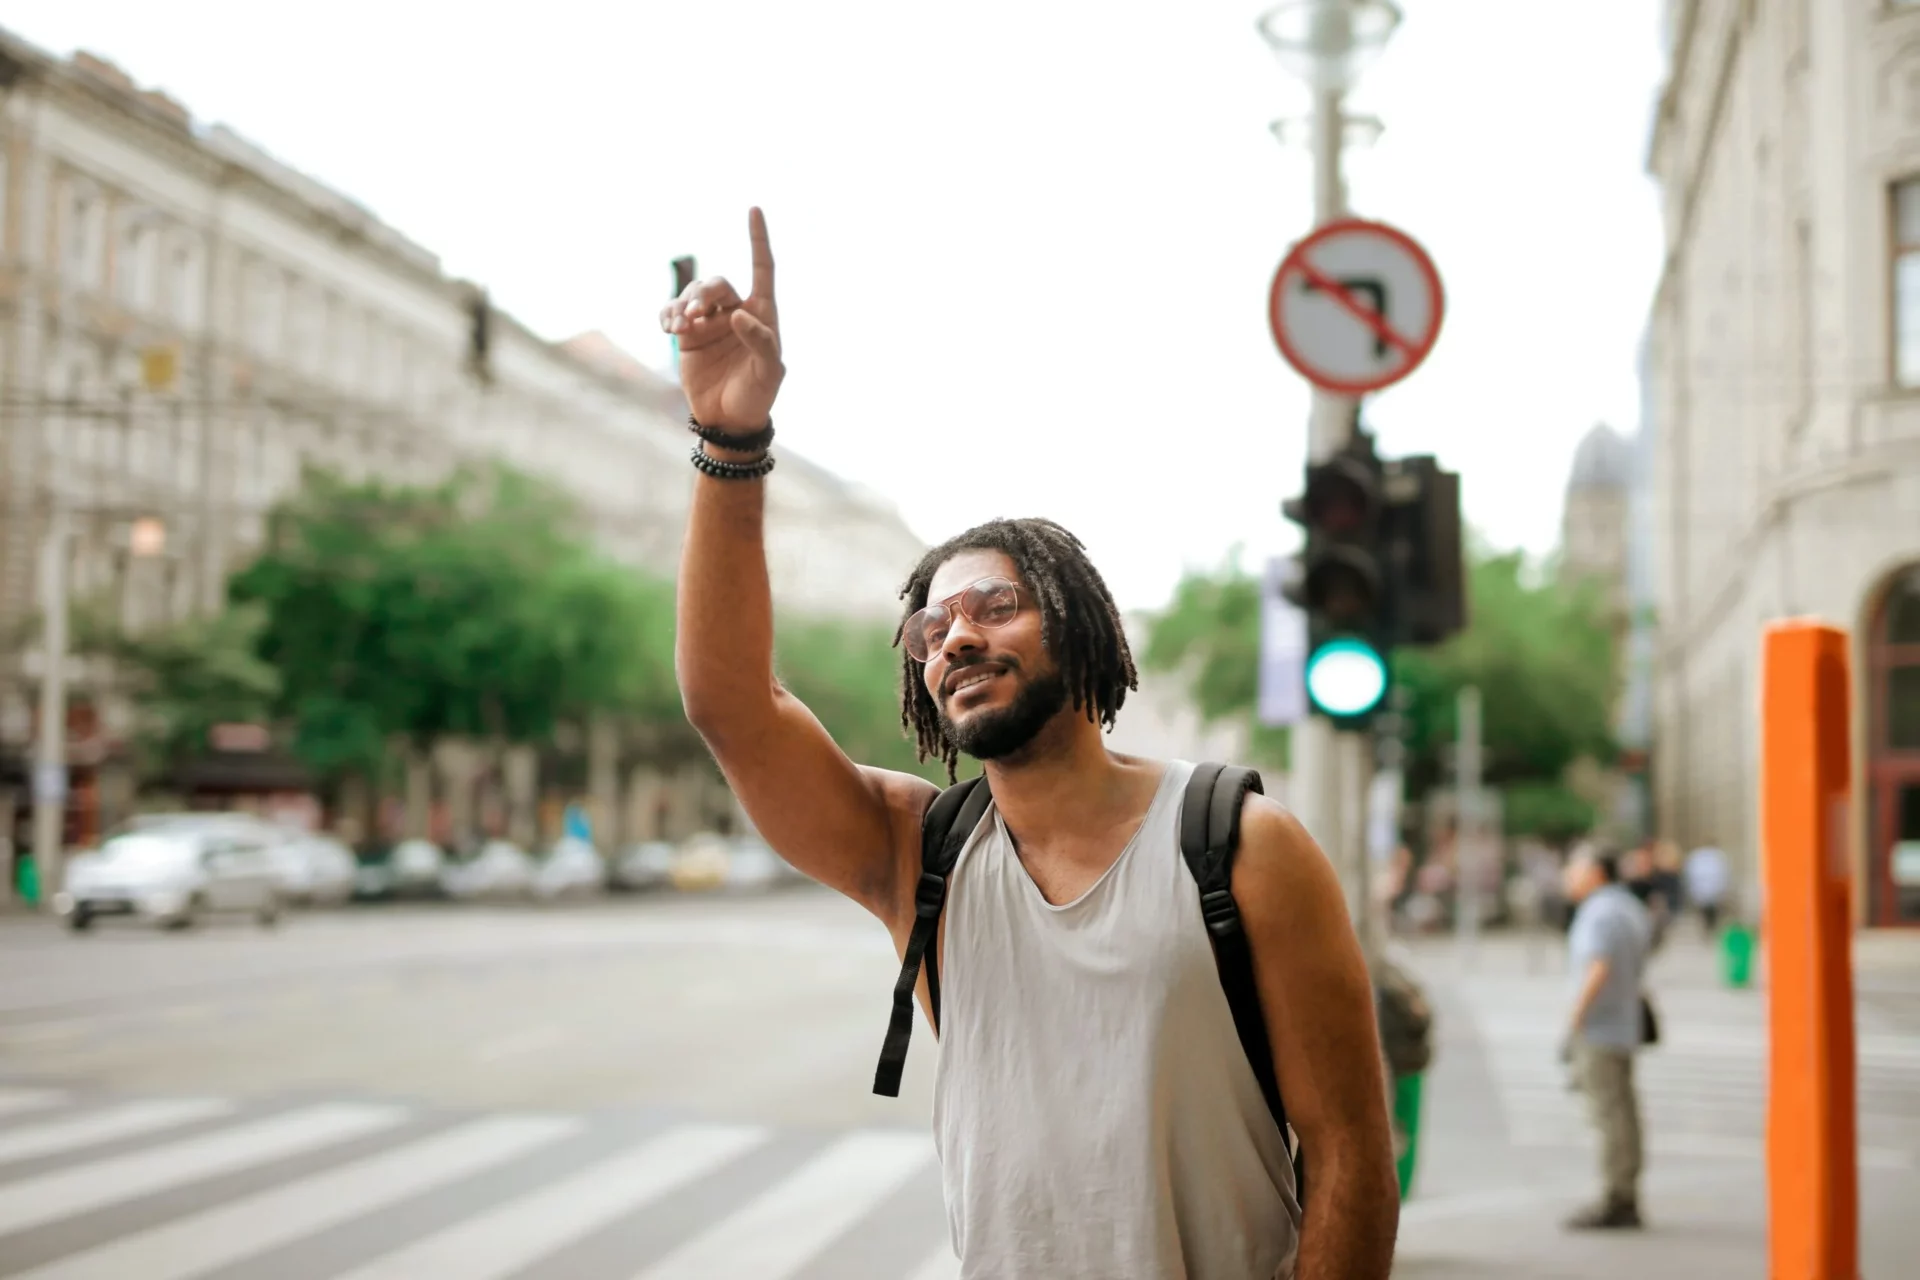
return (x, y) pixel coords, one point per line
(186, 322)
(1784, 366)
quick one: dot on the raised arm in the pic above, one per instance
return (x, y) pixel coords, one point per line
(849, 827)
(1319, 1007)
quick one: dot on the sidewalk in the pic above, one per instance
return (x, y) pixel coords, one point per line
(1486, 1205)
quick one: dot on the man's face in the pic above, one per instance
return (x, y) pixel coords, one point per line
(1582, 877)
(994, 687)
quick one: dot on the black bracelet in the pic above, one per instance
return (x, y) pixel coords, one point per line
(720, 469)
(752, 442)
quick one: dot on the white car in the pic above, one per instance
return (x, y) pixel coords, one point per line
(315, 869)
(416, 867)
(646, 866)
(573, 868)
(172, 875)
(499, 870)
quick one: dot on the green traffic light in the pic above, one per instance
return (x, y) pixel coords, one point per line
(1346, 677)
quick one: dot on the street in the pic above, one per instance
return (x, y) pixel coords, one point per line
(679, 1086)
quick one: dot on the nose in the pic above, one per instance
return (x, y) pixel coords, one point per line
(962, 636)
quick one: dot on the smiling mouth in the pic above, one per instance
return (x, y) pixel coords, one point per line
(971, 680)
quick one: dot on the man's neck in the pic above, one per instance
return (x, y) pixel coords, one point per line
(1067, 783)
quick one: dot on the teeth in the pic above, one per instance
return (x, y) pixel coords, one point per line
(970, 681)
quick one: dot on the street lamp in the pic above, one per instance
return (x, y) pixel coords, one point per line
(50, 745)
(1329, 43)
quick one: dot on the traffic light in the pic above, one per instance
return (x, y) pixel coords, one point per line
(1420, 543)
(1343, 585)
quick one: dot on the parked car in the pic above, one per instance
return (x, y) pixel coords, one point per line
(414, 869)
(573, 869)
(500, 870)
(316, 869)
(172, 875)
(645, 866)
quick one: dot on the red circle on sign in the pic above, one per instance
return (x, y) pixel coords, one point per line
(1292, 264)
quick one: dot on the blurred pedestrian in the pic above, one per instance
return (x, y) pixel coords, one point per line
(1607, 951)
(1706, 881)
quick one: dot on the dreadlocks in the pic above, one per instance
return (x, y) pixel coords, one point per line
(1080, 623)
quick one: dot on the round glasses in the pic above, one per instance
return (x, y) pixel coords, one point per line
(989, 603)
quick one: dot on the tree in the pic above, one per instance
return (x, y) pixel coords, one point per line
(188, 677)
(1542, 657)
(1211, 631)
(848, 674)
(1539, 652)
(473, 608)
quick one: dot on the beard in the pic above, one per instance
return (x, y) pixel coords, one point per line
(1004, 731)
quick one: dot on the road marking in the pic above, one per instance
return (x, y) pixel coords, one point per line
(243, 1228)
(15, 1102)
(84, 1188)
(510, 1237)
(127, 1120)
(777, 1234)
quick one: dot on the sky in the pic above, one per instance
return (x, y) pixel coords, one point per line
(1024, 249)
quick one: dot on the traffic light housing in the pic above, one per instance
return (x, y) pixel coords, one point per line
(1343, 585)
(1382, 569)
(1421, 545)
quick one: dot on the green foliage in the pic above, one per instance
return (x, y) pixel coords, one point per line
(189, 677)
(1545, 809)
(472, 608)
(1543, 660)
(1539, 652)
(848, 674)
(1211, 631)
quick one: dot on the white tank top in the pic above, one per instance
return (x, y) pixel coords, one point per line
(1094, 1111)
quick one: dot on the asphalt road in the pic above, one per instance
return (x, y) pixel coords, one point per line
(680, 1087)
(664, 1088)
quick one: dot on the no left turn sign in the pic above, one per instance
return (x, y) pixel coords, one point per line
(1356, 306)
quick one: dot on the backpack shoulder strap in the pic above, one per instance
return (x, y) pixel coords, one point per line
(1209, 838)
(944, 831)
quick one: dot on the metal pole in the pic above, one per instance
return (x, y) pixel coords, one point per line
(50, 746)
(1467, 847)
(1341, 802)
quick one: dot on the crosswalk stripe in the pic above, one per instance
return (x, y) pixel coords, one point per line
(127, 1120)
(15, 1102)
(511, 1237)
(941, 1266)
(242, 1228)
(83, 1188)
(778, 1233)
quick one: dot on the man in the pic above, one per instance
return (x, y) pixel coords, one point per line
(1095, 1113)
(1607, 949)
(1706, 877)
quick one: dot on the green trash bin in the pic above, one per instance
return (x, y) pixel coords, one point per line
(27, 882)
(1736, 955)
(1406, 1118)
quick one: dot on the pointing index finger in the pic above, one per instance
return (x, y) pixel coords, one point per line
(762, 255)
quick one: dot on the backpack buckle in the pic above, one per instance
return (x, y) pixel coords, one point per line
(1218, 910)
(930, 895)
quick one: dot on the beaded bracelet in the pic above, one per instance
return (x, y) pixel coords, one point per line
(720, 469)
(752, 442)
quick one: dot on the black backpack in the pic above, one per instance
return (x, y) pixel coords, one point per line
(1209, 836)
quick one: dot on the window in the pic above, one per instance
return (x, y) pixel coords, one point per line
(83, 235)
(1906, 283)
(185, 294)
(266, 308)
(136, 268)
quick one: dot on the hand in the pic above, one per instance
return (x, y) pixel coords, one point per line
(730, 369)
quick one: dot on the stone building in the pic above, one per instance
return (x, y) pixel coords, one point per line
(185, 321)
(1785, 404)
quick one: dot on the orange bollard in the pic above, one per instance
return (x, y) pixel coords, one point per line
(1813, 1183)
